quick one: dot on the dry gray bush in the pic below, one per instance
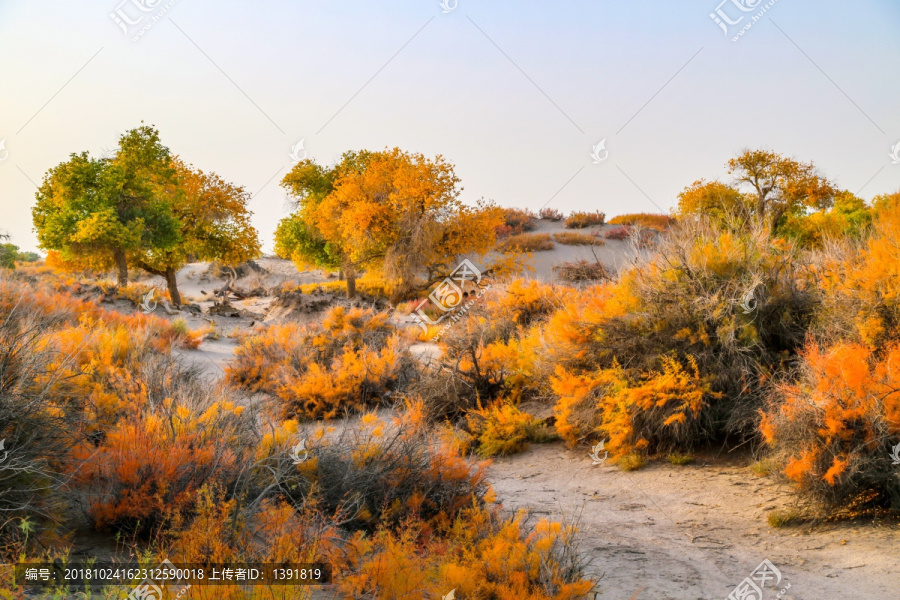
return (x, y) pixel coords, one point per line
(364, 479)
(582, 271)
(36, 428)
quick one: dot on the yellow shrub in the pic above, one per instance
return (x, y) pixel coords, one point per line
(657, 410)
(481, 556)
(351, 360)
(501, 429)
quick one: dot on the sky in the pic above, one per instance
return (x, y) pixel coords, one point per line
(516, 95)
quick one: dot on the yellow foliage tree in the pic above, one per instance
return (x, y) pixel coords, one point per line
(214, 225)
(391, 211)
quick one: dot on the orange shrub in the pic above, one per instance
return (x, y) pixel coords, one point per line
(516, 221)
(481, 555)
(835, 428)
(502, 429)
(527, 242)
(659, 222)
(222, 529)
(575, 238)
(861, 285)
(152, 465)
(582, 220)
(707, 316)
(657, 411)
(352, 360)
(494, 351)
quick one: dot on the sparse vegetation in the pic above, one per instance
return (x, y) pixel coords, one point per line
(527, 242)
(550, 214)
(784, 518)
(677, 458)
(574, 238)
(631, 461)
(581, 271)
(658, 222)
(516, 221)
(583, 220)
(620, 232)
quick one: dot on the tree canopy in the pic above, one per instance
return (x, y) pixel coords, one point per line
(142, 207)
(767, 188)
(101, 209)
(392, 211)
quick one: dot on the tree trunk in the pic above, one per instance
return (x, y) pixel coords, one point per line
(121, 267)
(172, 283)
(350, 274)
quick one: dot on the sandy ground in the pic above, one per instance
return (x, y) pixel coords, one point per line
(694, 532)
(663, 532)
(614, 254)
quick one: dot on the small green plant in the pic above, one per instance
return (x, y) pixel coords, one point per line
(631, 461)
(784, 518)
(180, 327)
(764, 467)
(677, 458)
(543, 434)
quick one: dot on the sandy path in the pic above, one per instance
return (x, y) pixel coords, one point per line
(694, 532)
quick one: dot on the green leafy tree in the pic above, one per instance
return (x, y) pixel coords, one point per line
(142, 207)
(100, 210)
(8, 255)
(28, 257)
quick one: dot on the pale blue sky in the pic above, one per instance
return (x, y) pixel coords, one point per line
(515, 94)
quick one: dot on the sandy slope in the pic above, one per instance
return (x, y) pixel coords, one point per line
(613, 253)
